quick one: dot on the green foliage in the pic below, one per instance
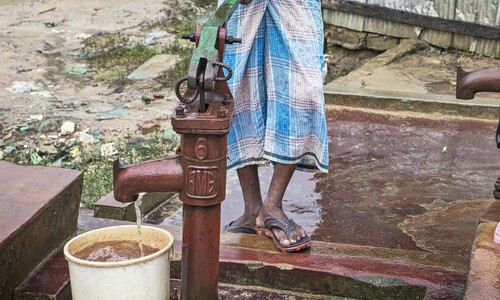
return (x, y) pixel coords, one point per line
(115, 54)
(97, 167)
(169, 77)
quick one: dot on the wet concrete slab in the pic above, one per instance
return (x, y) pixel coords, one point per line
(38, 212)
(484, 279)
(400, 183)
(397, 180)
(326, 270)
(406, 181)
(238, 292)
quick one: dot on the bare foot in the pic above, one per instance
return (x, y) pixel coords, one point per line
(245, 220)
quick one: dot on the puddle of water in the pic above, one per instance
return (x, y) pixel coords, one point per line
(384, 169)
(299, 202)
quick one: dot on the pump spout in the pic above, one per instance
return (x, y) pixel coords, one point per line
(470, 83)
(160, 175)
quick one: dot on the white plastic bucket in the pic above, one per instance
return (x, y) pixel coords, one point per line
(146, 277)
(496, 236)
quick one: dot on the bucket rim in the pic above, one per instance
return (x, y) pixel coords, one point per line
(98, 264)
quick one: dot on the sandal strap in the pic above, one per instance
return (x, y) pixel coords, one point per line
(287, 227)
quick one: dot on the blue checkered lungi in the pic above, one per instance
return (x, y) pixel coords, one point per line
(277, 84)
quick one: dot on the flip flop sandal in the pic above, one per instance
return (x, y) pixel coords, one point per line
(287, 227)
(239, 229)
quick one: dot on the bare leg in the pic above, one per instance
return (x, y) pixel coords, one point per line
(273, 206)
(250, 185)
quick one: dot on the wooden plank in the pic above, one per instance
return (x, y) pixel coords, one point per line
(384, 13)
(342, 19)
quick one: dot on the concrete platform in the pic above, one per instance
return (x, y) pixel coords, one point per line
(38, 212)
(483, 281)
(109, 208)
(326, 270)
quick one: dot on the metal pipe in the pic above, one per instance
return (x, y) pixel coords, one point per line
(200, 252)
(160, 175)
(470, 83)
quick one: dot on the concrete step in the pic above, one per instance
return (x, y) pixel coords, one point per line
(109, 208)
(480, 107)
(483, 281)
(343, 270)
(250, 265)
(328, 269)
(38, 212)
(50, 281)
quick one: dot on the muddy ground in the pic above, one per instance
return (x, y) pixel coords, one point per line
(56, 90)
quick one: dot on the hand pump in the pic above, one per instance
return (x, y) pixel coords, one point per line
(198, 173)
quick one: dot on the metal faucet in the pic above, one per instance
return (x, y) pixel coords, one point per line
(198, 173)
(470, 83)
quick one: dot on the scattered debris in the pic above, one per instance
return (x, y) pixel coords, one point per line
(44, 94)
(20, 87)
(48, 125)
(86, 139)
(147, 99)
(153, 36)
(74, 152)
(47, 10)
(108, 149)
(9, 149)
(117, 90)
(48, 148)
(22, 70)
(23, 127)
(35, 158)
(77, 69)
(148, 126)
(112, 114)
(83, 36)
(158, 95)
(67, 127)
(37, 117)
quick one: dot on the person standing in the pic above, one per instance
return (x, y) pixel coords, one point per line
(279, 115)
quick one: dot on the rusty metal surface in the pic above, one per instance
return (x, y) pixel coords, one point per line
(160, 175)
(200, 252)
(470, 83)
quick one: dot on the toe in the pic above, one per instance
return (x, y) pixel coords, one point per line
(282, 237)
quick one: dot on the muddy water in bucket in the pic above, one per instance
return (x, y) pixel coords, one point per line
(113, 251)
(136, 277)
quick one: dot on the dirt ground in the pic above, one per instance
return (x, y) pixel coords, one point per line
(44, 75)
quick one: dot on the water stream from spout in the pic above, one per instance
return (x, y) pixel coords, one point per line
(138, 215)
